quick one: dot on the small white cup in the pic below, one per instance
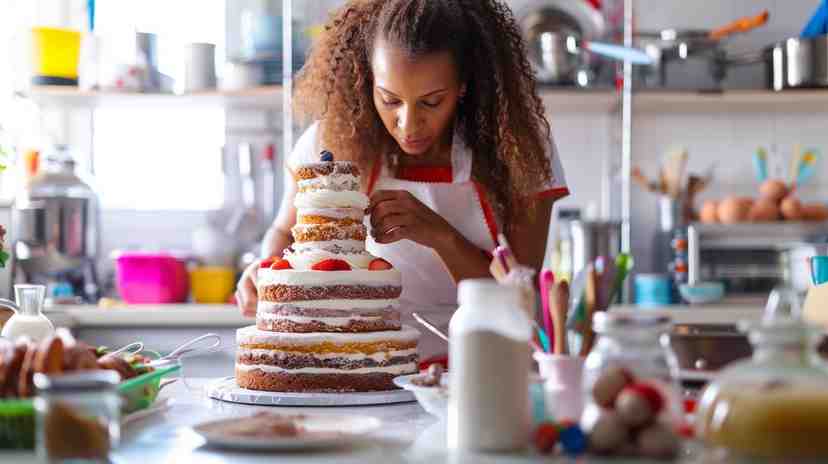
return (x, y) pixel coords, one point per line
(200, 67)
(563, 385)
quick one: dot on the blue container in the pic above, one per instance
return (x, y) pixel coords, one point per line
(653, 290)
(819, 269)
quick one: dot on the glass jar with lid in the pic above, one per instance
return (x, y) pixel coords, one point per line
(772, 407)
(632, 403)
(632, 343)
(78, 416)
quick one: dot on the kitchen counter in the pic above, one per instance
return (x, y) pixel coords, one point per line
(171, 315)
(408, 435)
(700, 314)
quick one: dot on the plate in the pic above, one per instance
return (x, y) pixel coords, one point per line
(225, 389)
(433, 399)
(320, 431)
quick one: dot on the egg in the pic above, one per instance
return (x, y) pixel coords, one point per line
(815, 212)
(791, 208)
(734, 209)
(764, 210)
(709, 213)
(773, 190)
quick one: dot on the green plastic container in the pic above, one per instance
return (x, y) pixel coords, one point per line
(17, 416)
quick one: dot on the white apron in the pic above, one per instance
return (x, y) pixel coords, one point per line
(428, 288)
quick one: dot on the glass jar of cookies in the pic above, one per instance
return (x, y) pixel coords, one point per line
(78, 416)
(632, 406)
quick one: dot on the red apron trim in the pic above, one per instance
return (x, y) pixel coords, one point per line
(429, 174)
(375, 172)
(488, 213)
(554, 193)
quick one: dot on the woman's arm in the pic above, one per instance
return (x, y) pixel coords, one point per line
(398, 215)
(527, 238)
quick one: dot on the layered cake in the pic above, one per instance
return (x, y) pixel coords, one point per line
(327, 318)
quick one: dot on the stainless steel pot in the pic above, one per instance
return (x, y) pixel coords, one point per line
(790, 64)
(547, 26)
(591, 239)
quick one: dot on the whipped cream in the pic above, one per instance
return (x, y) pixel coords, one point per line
(391, 277)
(330, 199)
(304, 259)
(250, 335)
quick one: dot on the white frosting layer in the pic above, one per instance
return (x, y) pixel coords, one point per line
(378, 356)
(270, 306)
(337, 182)
(326, 278)
(250, 335)
(352, 246)
(335, 213)
(397, 369)
(330, 321)
(303, 260)
(331, 199)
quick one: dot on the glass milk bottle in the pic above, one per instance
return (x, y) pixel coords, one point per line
(489, 366)
(28, 319)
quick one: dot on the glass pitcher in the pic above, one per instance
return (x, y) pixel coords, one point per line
(28, 319)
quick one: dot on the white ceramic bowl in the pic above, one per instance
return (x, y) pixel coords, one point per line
(433, 399)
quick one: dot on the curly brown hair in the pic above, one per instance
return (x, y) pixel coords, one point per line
(501, 118)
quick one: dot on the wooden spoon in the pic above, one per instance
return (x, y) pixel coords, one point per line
(559, 306)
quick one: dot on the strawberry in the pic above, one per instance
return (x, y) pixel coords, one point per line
(265, 263)
(279, 263)
(379, 264)
(331, 265)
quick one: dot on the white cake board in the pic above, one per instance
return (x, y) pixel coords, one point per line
(225, 389)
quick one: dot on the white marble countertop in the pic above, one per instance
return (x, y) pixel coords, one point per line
(228, 316)
(408, 435)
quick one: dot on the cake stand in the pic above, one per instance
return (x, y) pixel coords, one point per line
(225, 389)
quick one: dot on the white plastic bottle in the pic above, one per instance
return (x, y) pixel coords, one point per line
(489, 364)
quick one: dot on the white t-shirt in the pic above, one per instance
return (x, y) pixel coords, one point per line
(307, 150)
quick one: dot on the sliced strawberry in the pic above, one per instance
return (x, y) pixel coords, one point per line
(379, 264)
(267, 262)
(331, 265)
(280, 263)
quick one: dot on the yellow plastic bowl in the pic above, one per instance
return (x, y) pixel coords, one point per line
(55, 52)
(212, 284)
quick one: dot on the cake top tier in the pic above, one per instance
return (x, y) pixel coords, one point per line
(309, 171)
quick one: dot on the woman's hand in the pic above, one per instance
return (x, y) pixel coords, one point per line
(398, 215)
(246, 294)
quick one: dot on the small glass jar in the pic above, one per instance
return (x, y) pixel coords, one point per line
(631, 346)
(772, 407)
(78, 416)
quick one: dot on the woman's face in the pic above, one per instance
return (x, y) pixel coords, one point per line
(415, 97)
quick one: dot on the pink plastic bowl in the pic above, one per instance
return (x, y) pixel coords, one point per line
(153, 278)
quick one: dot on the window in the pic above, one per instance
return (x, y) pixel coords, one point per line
(161, 157)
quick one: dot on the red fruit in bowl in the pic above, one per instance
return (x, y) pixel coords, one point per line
(379, 264)
(279, 264)
(331, 265)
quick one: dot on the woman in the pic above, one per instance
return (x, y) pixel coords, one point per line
(436, 102)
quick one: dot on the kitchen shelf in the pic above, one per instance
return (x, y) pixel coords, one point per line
(569, 100)
(777, 235)
(265, 97)
(653, 101)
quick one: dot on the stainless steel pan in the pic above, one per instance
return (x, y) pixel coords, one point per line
(790, 64)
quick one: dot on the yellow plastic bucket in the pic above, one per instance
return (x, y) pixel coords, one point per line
(55, 52)
(212, 284)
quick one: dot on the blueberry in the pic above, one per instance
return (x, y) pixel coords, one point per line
(326, 156)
